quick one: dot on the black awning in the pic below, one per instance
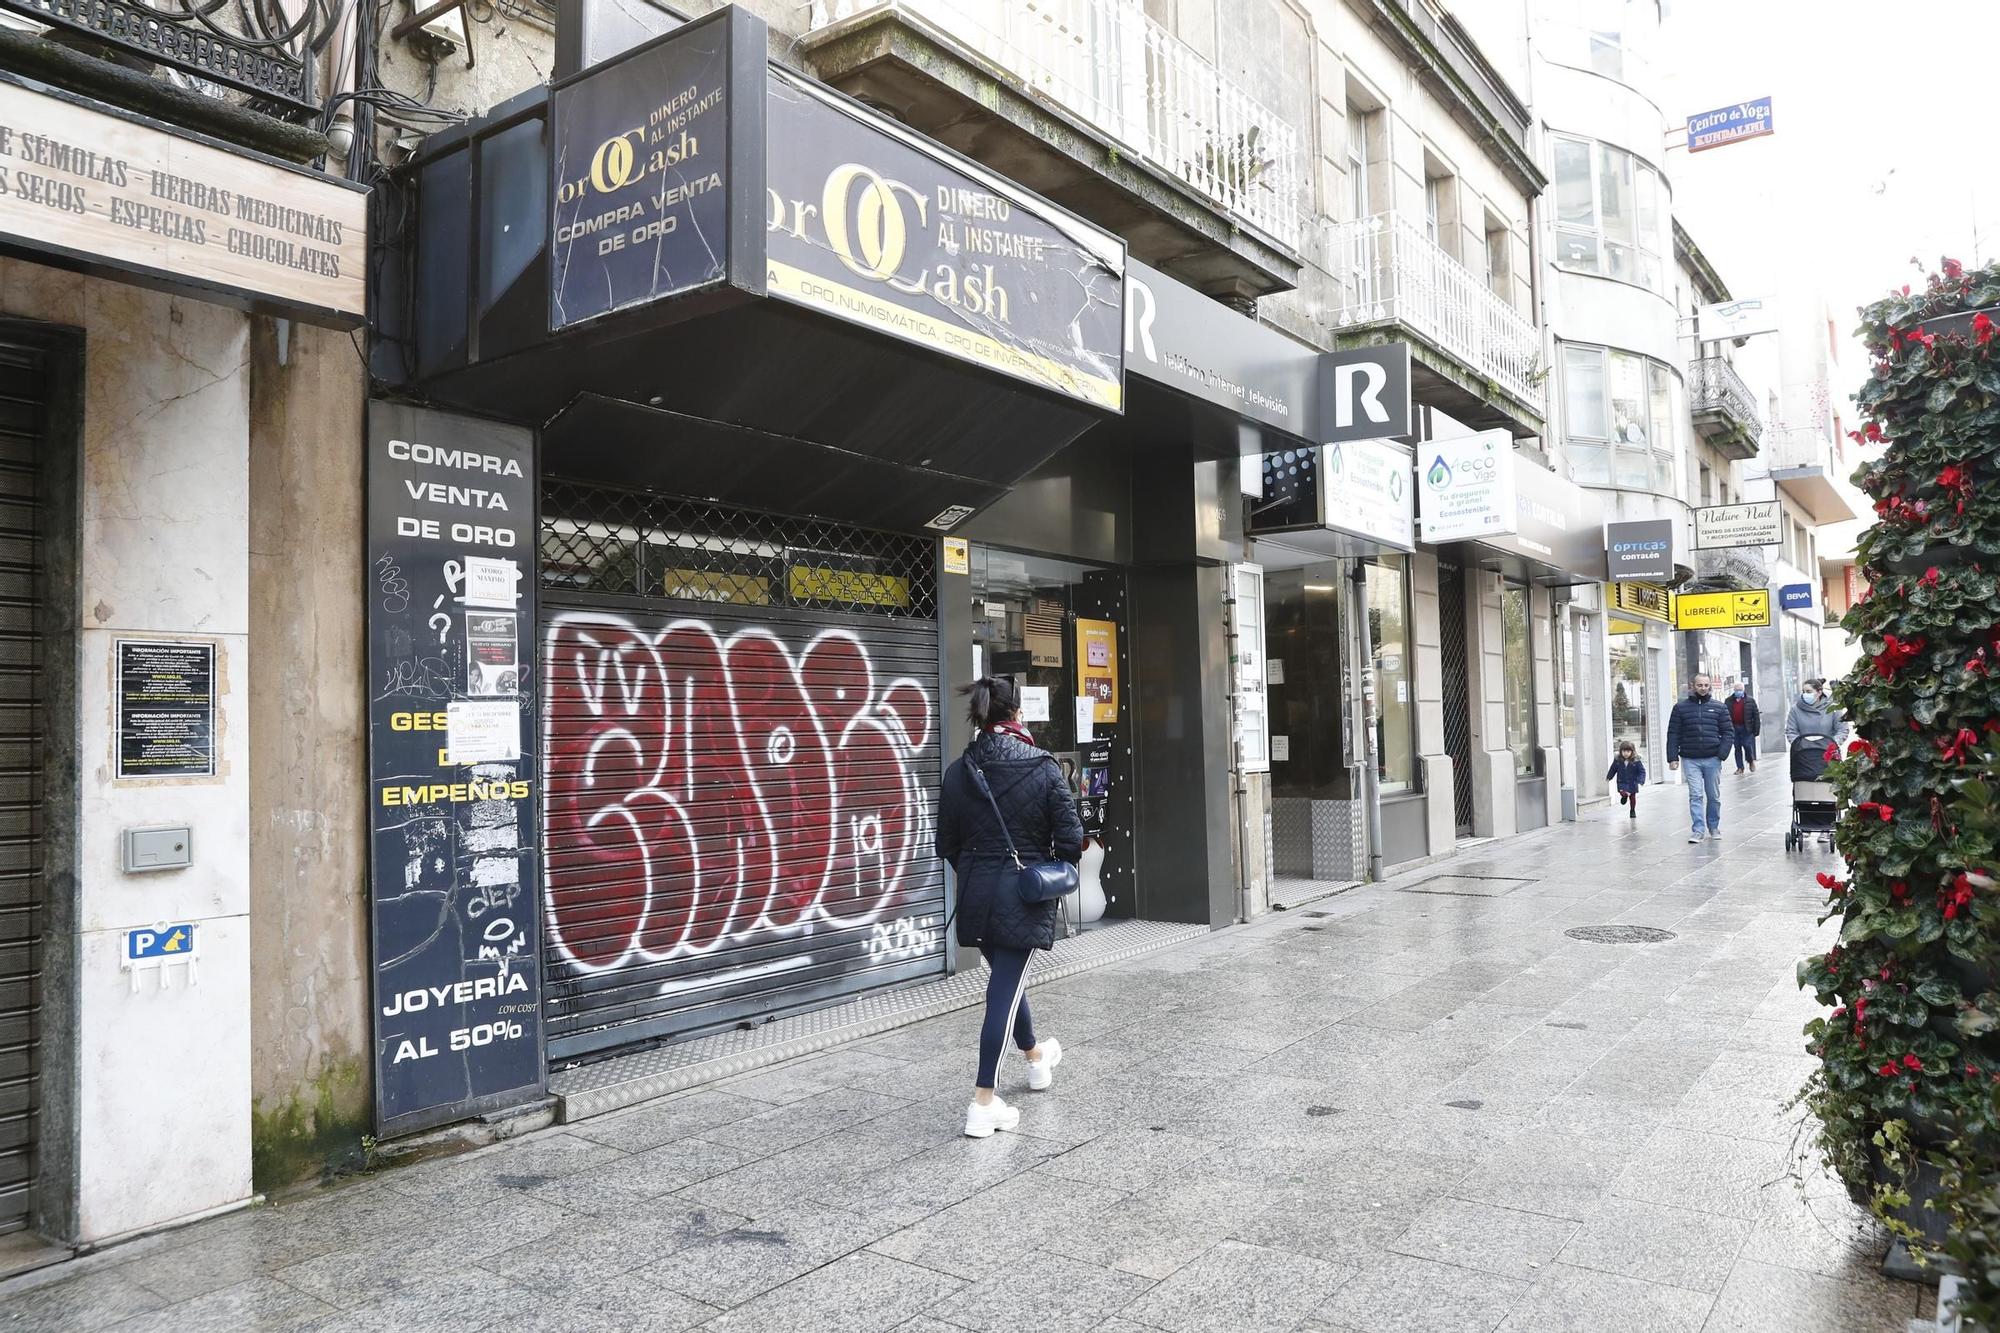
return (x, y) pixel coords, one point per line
(933, 340)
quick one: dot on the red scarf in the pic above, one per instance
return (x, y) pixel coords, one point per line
(1012, 728)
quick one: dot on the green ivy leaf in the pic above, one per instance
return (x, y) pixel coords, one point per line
(1938, 992)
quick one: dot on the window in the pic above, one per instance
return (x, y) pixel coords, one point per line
(1517, 664)
(1498, 270)
(1611, 212)
(1358, 126)
(1434, 210)
(1618, 407)
(1395, 704)
(1707, 481)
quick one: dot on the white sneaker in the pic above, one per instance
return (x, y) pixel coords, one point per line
(1694, 837)
(981, 1121)
(1042, 1072)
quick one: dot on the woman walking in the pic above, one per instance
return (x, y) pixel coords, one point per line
(1028, 792)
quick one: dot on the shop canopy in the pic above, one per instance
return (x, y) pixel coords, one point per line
(685, 243)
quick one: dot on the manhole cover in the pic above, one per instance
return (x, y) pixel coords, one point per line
(1620, 934)
(1467, 886)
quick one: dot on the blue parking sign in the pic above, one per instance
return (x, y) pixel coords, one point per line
(149, 943)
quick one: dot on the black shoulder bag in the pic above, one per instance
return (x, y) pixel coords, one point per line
(1042, 882)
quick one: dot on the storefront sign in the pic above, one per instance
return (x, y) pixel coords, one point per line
(870, 223)
(1796, 597)
(1736, 319)
(1176, 336)
(1370, 492)
(860, 587)
(1558, 529)
(1643, 601)
(1722, 610)
(1367, 392)
(640, 176)
(1730, 124)
(1760, 523)
(1639, 550)
(1097, 666)
(455, 870)
(1465, 487)
(166, 709)
(108, 193)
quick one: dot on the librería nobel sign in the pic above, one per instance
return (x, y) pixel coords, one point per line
(98, 190)
(1723, 610)
(872, 224)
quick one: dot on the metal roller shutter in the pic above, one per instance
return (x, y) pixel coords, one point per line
(738, 800)
(23, 373)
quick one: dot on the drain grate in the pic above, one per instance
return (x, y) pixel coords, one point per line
(1620, 934)
(1467, 886)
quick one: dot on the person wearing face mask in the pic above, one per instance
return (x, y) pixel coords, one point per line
(1813, 714)
(1748, 720)
(1700, 731)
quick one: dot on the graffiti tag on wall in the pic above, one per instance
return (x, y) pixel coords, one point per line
(706, 792)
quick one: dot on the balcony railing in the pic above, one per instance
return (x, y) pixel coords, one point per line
(1723, 407)
(1791, 447)
(1387, 271)
(1137, 84)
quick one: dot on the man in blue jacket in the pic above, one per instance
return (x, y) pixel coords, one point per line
(1701, 731)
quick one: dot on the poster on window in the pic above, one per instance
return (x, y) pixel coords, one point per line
(1097, 666)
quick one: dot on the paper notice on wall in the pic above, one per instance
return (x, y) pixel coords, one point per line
(479, 731)
(978, 661)
(1402, 691)
(1086, 718)
(1281, 749)
(490, 582)
(1274, 671)
(1034, 703)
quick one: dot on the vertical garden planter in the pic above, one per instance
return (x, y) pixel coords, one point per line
(1910, 1048)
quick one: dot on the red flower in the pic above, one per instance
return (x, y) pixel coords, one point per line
(1832, 751)
(1863, 747)
(1911, 1062)
(1953, 269)
(1990, 726)
(1955, 748)
(1952, 477)
(1885, 813)
(1926, 340)
(1888, 1070)
(1982, 329)
(1833, 956)
(1897, 889)
(1836, 887)
(1930, 578)
(1895, 655)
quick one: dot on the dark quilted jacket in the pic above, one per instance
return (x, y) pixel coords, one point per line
(1041, 815)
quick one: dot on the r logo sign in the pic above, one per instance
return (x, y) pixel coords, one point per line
(1369, 392)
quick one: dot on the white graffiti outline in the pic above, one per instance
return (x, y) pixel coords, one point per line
(598, 665)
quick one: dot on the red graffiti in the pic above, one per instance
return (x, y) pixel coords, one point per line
(702, 790)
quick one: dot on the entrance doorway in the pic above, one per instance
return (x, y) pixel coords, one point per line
(1056, 628)
(1457, 692)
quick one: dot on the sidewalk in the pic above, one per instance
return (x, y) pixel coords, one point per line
(1416, 1105)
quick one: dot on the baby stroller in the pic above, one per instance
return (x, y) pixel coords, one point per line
(1813, 804)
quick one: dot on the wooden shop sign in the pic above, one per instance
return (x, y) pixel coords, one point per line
(93, 189)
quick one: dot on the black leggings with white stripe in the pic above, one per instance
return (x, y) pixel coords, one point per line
(1006, 1005)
